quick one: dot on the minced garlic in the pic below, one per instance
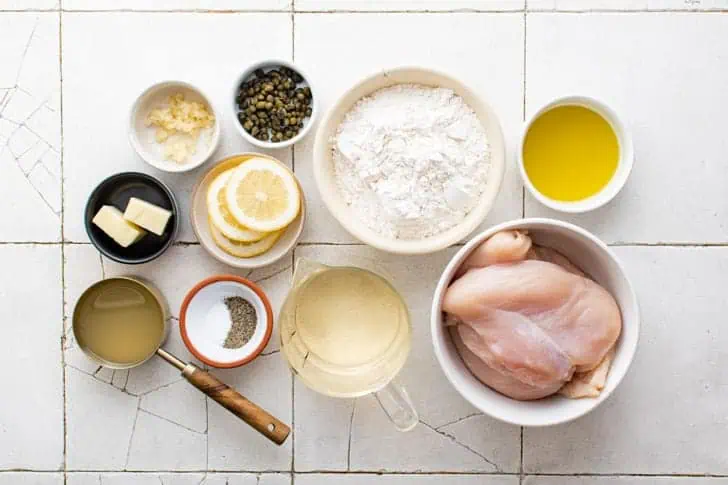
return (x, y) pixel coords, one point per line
(178, 126)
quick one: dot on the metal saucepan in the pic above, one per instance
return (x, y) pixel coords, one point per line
(230, 399)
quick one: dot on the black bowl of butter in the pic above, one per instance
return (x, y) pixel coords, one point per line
(132, 217)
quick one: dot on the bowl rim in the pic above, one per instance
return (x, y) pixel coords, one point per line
(234, 279)
(437, 242)
(133, 136)
(618, 180)
(175, 212)
(244, 75)
(438, 336)
(242, 262)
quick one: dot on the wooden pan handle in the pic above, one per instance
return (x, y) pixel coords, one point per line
(230, 399)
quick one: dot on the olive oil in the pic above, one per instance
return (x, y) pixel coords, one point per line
(119, 321)
(570, 153)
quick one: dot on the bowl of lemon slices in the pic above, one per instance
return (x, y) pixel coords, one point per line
(248, 210)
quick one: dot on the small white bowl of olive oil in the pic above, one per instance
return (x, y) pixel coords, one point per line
(575, 154)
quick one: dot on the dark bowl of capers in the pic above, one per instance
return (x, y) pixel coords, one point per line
(273, 104)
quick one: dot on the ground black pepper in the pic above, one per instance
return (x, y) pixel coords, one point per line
(244, 319)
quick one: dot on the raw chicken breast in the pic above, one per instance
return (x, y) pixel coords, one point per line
(531, 323)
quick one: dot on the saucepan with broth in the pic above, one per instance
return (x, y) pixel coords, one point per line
(122, 323)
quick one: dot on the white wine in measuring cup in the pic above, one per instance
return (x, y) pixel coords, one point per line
(346, 332)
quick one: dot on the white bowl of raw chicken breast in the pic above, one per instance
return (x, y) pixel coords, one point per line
(544, 313)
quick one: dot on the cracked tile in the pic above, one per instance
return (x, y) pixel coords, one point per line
(608, 71)
(375, 444)
(100, 419)
(668, 415)
(415, 5)
(47, 186)
(179, 402)
(30, 59)
(362, 479)
(197, 5)
(31, 478)
(21, 141)
(161, 444)
(94, 38)
(496, 40)
(322, 437)
(31, 312)
(233, 444)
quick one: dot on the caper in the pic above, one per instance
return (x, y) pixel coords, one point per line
(268, 105)
(251, 109)
(308, 111)
(248, 125)
(260, 104)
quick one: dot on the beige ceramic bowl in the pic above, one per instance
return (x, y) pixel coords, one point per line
(142, 137)
(324, 169)
(592, 256)
(201, 224)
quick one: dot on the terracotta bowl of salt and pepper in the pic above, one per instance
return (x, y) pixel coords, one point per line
(226, 321)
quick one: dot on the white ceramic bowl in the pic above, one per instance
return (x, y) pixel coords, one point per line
(205, 320)
(201, 223)
(268, 65)
(624, 166)
(142, 137)
(589, 254)
(323, 166)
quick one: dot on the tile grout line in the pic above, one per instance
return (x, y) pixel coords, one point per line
(63, 249)
(523, 113)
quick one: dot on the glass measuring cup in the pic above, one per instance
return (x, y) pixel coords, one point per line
(346, 332)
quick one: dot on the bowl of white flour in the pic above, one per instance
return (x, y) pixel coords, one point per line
(409, 160)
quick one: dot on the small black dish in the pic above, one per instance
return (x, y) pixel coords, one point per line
(117, 190)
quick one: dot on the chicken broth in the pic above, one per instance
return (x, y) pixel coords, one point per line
(119, 321)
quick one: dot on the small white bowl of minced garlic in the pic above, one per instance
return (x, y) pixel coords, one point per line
(174, 127)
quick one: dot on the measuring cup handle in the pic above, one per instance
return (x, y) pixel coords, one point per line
(397, 404)
(230, 399)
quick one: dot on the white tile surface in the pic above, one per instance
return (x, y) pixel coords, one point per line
(234, 445)
(688, 4)
(586, 5)
(660, 84)
(405, 480)
(176, 479)
(30, 127)
(96, 149)
(668, 416)
(158, 421)
(30, 478)
(410, 5)
(30, 358)
(495, 40)
(29, 4)
(192, 5)
(623, 481)
(435, 445)
(665, 73)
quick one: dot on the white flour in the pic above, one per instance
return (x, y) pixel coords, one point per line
(411, 161)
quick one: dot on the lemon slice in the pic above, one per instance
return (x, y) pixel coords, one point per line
(241, 249)
(220, 215)
(263, 195)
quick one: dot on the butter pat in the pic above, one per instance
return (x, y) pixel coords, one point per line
(110, 220)
(149, 216)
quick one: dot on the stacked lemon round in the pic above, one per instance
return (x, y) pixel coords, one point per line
(250, 206)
